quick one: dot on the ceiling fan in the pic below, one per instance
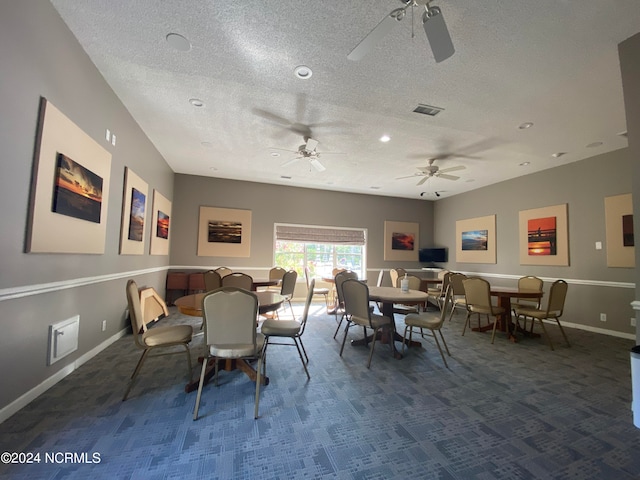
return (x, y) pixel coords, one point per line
(306, 150)
(432, 170)
(432, 22)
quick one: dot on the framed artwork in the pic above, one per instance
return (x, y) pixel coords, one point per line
(135, 204)
(224, 232)
(543, 236)
(618, 212)
(160, 225)
(401, 240)
(69, 192)
(476, 240)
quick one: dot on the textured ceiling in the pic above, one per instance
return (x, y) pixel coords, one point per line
(550, 62)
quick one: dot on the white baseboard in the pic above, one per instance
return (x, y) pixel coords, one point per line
(38, 390)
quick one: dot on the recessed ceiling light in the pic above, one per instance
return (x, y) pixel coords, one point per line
(558, 154)
(524, 164)
(374, 188)
(178, 42)
(524, 126)
(196, 102)
(303, 72)
(285, 177)
(206, 144)
(594, 144)
(385, 138)
(275, 154)
(213, 168)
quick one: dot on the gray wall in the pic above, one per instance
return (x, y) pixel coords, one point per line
(271, 204)
(594, 287)
(629, 52)
(40, 57)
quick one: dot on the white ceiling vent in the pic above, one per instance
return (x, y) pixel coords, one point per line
(428, 110)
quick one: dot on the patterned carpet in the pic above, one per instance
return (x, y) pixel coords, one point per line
(502, 411)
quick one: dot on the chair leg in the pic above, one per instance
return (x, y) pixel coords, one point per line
(563, 334)
(135, 372)
(261, 359)
(404, 337)
(440, 349)
(339, 323)
(467, 322)
(344, 339)
(445, 343)
(266, 344)
(546, 334)
(303, 349)
(189, 366)
(202, 374)
(295, 340)
(373, 346)
(495, 324)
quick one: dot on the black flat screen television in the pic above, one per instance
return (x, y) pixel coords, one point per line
(433, 255)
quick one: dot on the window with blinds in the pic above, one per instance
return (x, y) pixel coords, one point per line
(320, 248)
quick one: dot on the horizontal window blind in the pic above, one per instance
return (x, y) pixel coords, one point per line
(308, 234)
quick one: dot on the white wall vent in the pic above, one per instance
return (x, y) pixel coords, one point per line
(63, 338)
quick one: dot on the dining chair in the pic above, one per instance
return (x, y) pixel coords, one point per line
(223, 271)
(288, 287)
(238, 279)
(275, 274)
(429, 321)
(230, 315)
(340, 278)
(212, 280)
(396, 274)
(405, 309)
(154, 338)
(437, 292)
(292, 329)
(316, 291)
(357, 312)
(527, 283)
(477, 292)
(553, 311)
(457, 299)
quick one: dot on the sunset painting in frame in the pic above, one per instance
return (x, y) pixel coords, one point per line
(136, 216)
(542, 236)
(402, 241)
(77, 191)
(162, 228)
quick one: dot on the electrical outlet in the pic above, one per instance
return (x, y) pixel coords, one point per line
(633, 321)
(113, 139)
(603, 317)
(104, 325)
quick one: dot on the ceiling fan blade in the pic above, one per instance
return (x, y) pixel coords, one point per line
(437, 34)
(447, 177)
(452, 169)
(272, 117)
(311, 145)
(317, 165)
(283, 149)
(424, 179)
(289, 162)
(376, 35)
(408, 176)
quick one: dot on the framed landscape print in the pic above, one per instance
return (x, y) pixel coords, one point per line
(476, 240)
(224, 232)
(160, 225)
(135, 204)
(543, 236)
(69, 192)
(618, 212)
(401, 240)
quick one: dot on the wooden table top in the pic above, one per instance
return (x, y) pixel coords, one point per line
(192, 304)
(396, 295)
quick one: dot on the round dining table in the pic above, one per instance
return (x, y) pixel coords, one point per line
(505, 321)
(387, 297)
(192, 305)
